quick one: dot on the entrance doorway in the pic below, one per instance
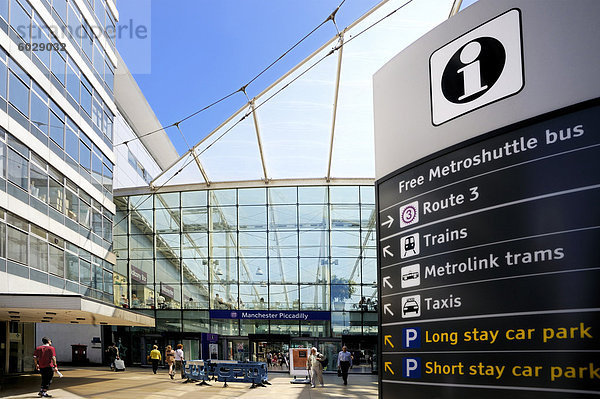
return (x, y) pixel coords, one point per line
(272, 349)
(364, 350)
(238, 349)
(191, 349)
(330, 349)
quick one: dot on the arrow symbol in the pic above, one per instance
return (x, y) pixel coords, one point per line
(387, 341)
(386, 309)
(386, 280)
(386, 251)
(388, 367)
(388, 222)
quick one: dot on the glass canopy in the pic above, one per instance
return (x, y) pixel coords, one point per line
(315, 122)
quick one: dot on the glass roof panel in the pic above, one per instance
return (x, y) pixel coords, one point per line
(235, 156)
(296, 124)
(353, 150)
(184, 171)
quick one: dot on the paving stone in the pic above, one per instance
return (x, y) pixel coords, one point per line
(139, 383)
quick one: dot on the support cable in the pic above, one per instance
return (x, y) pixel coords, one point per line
(243, 88)
(378, 21)
(157, 189)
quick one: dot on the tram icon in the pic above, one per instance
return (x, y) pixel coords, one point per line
(409, 245)
(410, 275)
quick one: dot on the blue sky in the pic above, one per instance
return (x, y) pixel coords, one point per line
(197, 51)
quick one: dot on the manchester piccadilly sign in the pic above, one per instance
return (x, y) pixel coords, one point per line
(268, 315)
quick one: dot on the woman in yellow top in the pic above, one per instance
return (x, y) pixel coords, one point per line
(155, 357)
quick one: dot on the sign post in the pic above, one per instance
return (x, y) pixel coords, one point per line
(488, 249)
(298, 365)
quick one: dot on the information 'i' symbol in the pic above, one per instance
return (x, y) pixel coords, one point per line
(473, 70)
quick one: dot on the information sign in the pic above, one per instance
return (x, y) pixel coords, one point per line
(489, 264)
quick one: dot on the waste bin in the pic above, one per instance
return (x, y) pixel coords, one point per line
(79, 354)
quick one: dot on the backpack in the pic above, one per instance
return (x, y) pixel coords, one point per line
(323, 361)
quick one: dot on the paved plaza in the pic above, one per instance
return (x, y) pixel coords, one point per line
(138, 383)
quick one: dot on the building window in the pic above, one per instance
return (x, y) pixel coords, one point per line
(57, 260)
(85, 156)
(58, 66)
(57, 195)
(3, 77)
(2, 240)
(72, 262)
(39, 113)
(39, 183)
(20, 21)
(19, 94)
(72, 202)
(86, 98)
(97, 222)
(72, 144)
(17, 245)
(18, 169)
(38, 250)
(2, 160)
(61, 8)
(57, 129)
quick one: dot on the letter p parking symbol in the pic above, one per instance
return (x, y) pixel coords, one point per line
(411, 338)
(411, 367)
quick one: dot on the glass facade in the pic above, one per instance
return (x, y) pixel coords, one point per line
(56, 151)
(181, 255)
(29, 251)
(62, 112)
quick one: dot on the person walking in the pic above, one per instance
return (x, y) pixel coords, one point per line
(179, 358)
(113, 354)
(344, 363)
(155, 357)
(315, 368)
(44, 358)
(170, 359)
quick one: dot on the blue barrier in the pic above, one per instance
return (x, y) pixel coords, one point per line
(195, 370)
(212, 365)
(226, 371)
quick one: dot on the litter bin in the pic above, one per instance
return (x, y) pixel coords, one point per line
(79, 354)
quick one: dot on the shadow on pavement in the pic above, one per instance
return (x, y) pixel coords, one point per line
(27, 383)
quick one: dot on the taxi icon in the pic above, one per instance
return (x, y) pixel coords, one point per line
(411, 306)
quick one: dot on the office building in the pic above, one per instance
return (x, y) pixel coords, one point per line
(57, 165)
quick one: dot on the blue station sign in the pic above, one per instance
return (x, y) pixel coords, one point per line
(270, 315)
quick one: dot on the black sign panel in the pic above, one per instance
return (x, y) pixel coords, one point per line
(489, 265)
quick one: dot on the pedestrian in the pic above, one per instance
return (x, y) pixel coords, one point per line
(344, 363)
(170, 359)
(113, 354)
(315, 368)
(179, 358)
(155, 358)
(44, 358)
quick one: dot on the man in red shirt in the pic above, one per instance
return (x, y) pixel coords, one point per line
(45, 361)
